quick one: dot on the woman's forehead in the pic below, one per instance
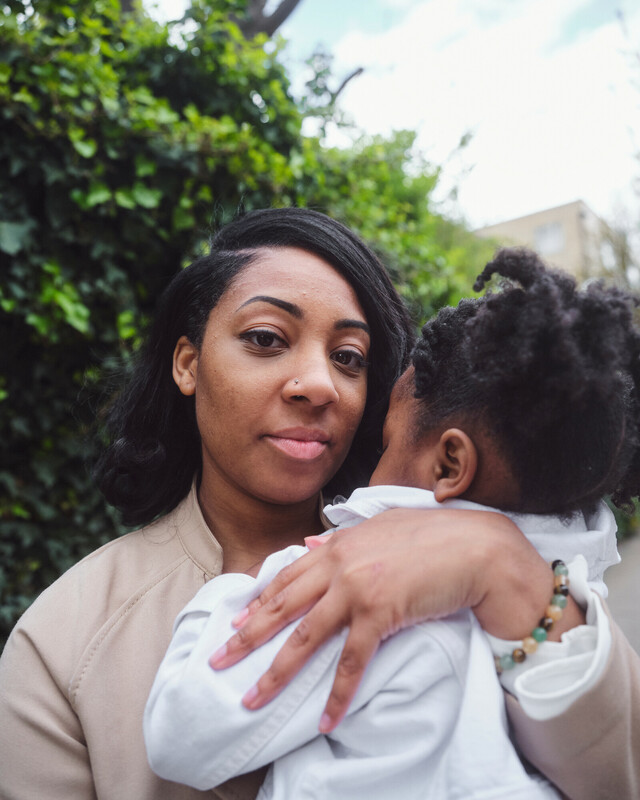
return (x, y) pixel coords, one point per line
(295, 276)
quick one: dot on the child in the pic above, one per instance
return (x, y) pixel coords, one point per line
(523, 401)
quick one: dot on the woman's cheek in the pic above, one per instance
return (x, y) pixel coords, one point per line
(354, 418)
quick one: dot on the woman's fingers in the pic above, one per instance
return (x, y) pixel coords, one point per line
(312, 630)
(317, 541)
(398, 568)
(351, 601)
(283, 579)
(277, 611)
(360, 647)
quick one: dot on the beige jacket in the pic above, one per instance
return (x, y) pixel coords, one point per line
(592, 751)
(76, 672)
(77, 669)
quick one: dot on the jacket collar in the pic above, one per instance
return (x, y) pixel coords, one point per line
(196, 538)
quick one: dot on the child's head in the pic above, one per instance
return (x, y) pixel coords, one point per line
(526, 399)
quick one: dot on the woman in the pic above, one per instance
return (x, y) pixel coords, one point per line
(256, 382)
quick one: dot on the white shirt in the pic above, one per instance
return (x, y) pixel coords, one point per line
(548, 682)
(428, 720)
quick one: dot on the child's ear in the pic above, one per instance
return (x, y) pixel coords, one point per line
(456, 464)
(185, 366)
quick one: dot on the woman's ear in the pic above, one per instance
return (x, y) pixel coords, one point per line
(185, 366)
(456, 464)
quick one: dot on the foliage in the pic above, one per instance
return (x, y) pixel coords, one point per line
(383, 188)
(117, 147)
(123, 143)
(627, 520)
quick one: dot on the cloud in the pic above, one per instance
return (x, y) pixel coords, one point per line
(551, 114)
(399, 5)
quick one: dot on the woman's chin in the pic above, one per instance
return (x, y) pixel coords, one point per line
(294, 499)
(293, 495)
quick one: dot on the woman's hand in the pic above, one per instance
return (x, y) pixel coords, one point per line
(398, 568)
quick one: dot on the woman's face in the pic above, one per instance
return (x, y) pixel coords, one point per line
(280, 380)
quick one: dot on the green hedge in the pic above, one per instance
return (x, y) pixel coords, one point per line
(123, 144)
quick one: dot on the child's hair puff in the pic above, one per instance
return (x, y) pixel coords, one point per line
(551, 371)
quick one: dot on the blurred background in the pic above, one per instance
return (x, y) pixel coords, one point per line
(437, 129)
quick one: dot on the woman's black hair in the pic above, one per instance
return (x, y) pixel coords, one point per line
(551, 372)
(154, 451)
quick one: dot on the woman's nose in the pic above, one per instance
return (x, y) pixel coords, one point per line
(313, 382)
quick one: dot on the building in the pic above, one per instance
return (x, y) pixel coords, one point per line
(569, 237)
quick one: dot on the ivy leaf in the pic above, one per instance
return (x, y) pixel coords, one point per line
(126, 324)
(76, 313)
(85, 147)
(124, 198)
(144, 166)
(146, 197)
(40, 323)
(14, 236)
(98, 193)
(182, 219)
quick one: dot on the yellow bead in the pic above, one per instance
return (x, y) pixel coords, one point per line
(529, 645)
(554, 612)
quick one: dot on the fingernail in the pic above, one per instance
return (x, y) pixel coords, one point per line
(325, 723)
(240, 617)
(250, 696)
(312, 542)
(220, 653)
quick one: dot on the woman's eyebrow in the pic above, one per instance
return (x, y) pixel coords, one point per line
(297, 312)
(290, 308)
(352, 323)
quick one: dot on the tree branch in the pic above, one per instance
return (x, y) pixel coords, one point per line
(354, 74)
(256, 21)
(282, 12)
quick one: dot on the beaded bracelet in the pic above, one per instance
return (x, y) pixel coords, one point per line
(552, 614)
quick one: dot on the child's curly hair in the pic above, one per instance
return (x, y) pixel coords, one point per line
(550, 371)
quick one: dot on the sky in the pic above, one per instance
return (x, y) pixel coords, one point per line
(549, 90)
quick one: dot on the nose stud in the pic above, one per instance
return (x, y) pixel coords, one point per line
(296, 381)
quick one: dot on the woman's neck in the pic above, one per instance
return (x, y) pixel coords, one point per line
(249, 529)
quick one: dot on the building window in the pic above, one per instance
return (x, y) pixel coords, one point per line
(548, 239)
(608, 255)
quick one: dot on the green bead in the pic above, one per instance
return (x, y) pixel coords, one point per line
(559, 600)
(539, 634)
(561, 569)
(507, 662)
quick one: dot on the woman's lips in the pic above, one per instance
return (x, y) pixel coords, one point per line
(303, 445)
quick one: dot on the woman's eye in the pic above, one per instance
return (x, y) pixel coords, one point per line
(350, 359)
(264, 339)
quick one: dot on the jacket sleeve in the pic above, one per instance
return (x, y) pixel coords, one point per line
(591, 751)
(42, 748)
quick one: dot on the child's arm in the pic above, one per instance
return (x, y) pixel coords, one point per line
(196, 729)
(198, 733)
